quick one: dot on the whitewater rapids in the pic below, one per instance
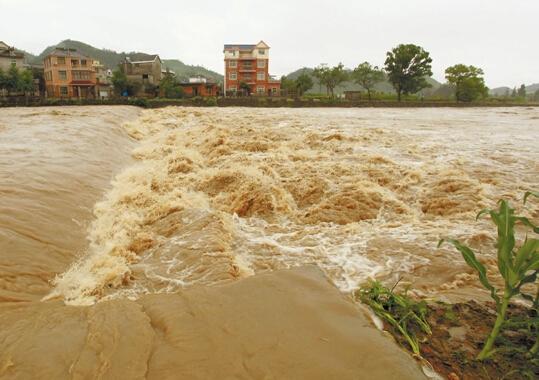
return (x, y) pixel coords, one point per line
(180, 223)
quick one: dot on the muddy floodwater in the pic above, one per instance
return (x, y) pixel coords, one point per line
(156, 243)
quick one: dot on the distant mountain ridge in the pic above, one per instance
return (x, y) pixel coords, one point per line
(111, 59)
(501, 91)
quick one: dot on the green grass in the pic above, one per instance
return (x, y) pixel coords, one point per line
(404, 314)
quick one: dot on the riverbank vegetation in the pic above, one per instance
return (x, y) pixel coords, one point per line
(472, 340)
(16, 81)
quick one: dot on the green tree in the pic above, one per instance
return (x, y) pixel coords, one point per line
(407, 67)
(245, 88)
(288, 84)
(26, 81)
(121, 84)
(331, 77)
(303, 83)
(514, 93)
(367, 76)
(2, 79)
(13, 78)
(468, 81)
(536, 96)
(119, 81)
(170, 88)
(522, 91)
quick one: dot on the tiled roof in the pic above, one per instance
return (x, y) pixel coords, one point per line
(151, 58)
(239, 46)
(59, 52)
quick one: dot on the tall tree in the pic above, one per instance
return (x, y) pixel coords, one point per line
(514, 93)
(522, 91)
(287, 83)
(13, 78)
(26, 82)
(303, 83)
(170, 88)
(407, 67)
(119, 81)
(468, 81)
(122, 85)
(367, 76)
(331, 77)
(2, 79)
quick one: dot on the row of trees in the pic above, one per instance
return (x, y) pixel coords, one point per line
(16, 81)
(407, 68)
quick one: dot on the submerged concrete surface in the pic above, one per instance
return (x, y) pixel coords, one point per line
(289, 324)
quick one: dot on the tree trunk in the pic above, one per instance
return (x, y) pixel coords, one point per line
(399, 94)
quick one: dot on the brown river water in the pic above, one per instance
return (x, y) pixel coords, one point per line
(124, 233)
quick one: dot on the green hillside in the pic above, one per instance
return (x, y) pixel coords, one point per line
(111, 58)
(351, 86)
(185, 71)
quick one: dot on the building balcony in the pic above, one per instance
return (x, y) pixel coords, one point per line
(246, 69)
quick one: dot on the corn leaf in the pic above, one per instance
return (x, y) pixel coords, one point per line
(532, 193)
(525, 254)
(527, 223)
(472, 261)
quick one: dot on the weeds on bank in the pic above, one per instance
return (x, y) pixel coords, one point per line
(399, 310)
(517, 267)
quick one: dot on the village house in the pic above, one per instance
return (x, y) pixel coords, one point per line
(69, 74)
(247, 66)
(103, 76)
(199, 86)
(10, 56)
(148, 73)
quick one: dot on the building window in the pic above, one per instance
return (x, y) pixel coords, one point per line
(260, 89)
(61, 60)
(260, 75)
(234, 53)
(74, 62)
(62, 75)
(144, 76)
(261, 51)
(233, 76)
(233, 64)
(261, 63)
(80, 75)
(83, 62)
(63, 91)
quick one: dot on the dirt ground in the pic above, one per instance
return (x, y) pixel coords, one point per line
(458, 333)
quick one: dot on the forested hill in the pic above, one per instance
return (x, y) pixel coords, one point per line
(111, 58)
(384, 86)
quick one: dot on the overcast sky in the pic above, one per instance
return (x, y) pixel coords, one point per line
(500, 36)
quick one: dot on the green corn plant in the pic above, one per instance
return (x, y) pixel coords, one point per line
(535, 300)
(399, 310)
(516, 266)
